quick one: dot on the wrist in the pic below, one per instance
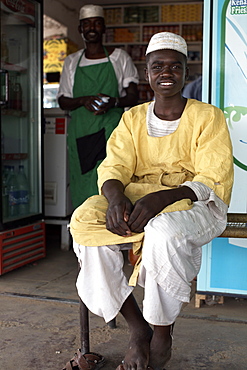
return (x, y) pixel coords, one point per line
(81, 101)
(117, 102)
(112, 188)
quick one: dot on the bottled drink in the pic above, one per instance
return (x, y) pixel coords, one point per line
(6, 173)
(100, 101)
(13, 194)
(23, 189)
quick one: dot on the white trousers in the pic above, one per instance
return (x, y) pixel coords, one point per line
(171, 258)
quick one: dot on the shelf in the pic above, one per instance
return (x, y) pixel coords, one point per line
(137, 43)
(139, 62)
(163, 13)
(13, 67)
(144, 21)
(13, 112)
(14, 156)
(121, 34)
(189, 12)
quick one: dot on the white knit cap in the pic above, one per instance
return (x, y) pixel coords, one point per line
(90, 10)
(167, 40)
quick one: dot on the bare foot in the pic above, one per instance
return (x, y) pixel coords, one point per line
(160, 347)
(137, 356)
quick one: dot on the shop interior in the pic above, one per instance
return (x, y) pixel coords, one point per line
(37, 285)
(129, 26)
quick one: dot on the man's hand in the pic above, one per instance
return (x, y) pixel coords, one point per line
(117, 215)
(119, 208)
(88, 102)
(152, 204)
(145, 209)
(102, 106)
(122, 218)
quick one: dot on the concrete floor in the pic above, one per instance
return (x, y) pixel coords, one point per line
(40, 322)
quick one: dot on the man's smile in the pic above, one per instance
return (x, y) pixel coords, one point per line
(166, 83)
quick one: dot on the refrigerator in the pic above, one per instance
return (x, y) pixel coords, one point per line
(22, 228)
(224, 260)
(57, 200)
(58, 205)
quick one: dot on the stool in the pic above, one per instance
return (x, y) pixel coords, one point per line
(236, 228)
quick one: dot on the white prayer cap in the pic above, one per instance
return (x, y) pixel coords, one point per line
(90, 10)
(167, 40)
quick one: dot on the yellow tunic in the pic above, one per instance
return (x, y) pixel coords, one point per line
(199, 150)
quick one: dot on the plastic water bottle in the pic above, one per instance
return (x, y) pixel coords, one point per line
(23, 190)
(100, 101)
(13, 193)
(6, 172)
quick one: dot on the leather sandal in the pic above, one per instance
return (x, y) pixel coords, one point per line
(86, 361)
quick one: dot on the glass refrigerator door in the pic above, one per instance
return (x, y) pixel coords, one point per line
(21, 112)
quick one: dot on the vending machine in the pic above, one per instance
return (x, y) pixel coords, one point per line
(22, 229)
(224, 260)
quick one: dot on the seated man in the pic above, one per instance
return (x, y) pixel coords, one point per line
(166, 185)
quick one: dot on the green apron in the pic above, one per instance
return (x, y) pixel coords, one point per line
(88, 133)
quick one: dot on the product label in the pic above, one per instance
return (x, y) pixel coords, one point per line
(20, 6)
(23, 9)
(23, 197)
(13, 197)
(238, 7)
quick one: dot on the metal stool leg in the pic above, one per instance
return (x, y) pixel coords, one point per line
(84, 325)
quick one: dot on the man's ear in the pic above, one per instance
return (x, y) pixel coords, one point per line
(79, 29)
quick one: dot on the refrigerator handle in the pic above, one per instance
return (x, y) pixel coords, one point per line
(4, 87)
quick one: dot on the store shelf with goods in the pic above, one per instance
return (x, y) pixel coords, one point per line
(14, 156)
(13, 112)
(131, 27)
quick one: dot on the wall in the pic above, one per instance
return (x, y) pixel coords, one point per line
(65, 12)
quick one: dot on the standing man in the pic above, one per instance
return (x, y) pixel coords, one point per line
(166, 197)
(96, 84)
